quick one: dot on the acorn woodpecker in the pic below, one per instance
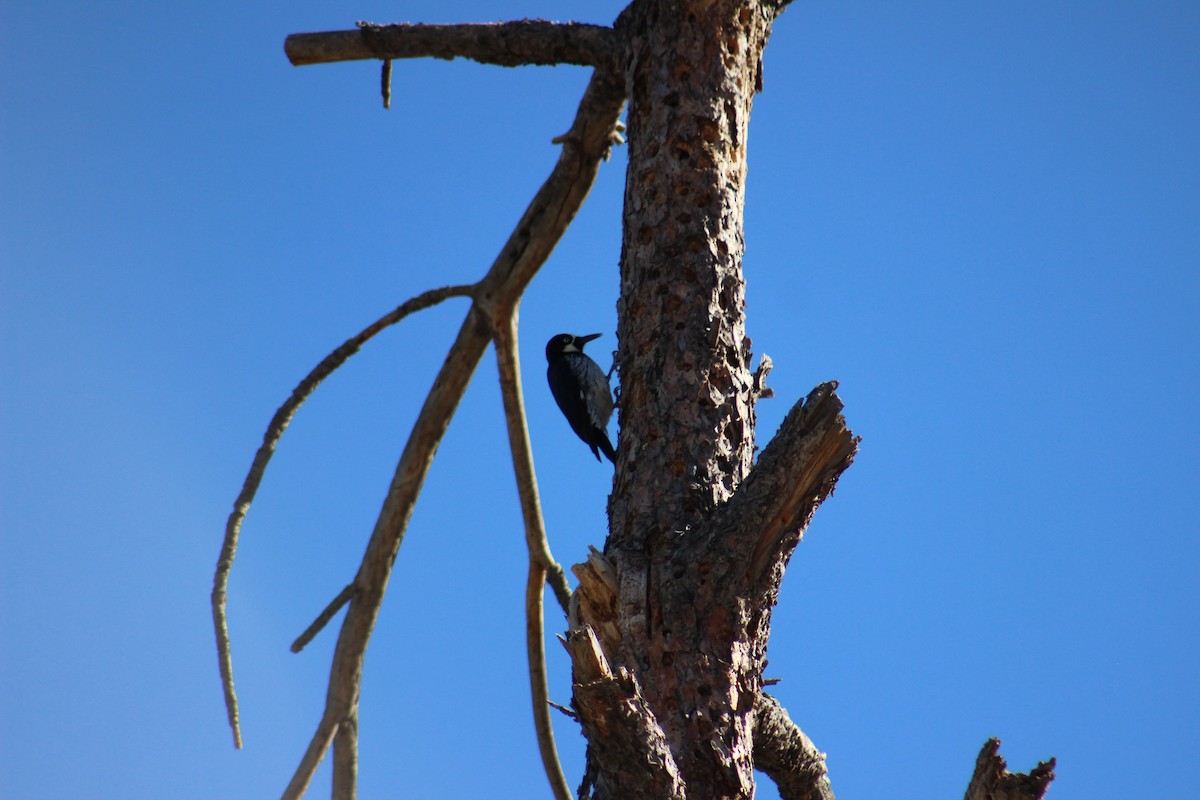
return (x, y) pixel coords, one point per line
(581, 389)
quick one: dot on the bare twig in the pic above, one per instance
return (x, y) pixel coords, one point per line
(522, 455)
(535, 648)
(341, 698)
(385, 82)
(541, 562)
(323, 618)
(507, 44)
(563, 709)
(271, 438)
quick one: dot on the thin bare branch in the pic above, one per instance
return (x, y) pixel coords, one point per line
(371, 580)
(323, 618)
(385, 83)
(254, 477)
(315, 751)
(787, 755)
(345, 758)
(541, 562)
(518, 438)
(563, 709)
(535, 648)
(507, 44)
(533, 239)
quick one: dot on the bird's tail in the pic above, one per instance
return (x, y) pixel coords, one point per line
(606, 446)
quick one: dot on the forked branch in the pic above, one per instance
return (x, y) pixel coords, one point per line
(541, 563)
(275, 429)
(495, 298)
(522, 455)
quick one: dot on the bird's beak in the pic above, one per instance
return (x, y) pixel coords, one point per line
(582, 340)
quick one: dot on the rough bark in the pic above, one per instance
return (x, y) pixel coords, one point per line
(993, 781)
(783, 752)
(635, 759)
(707, 588)
(507, 44)
(694, 586)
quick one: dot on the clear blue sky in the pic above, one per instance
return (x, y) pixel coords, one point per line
(983, 219)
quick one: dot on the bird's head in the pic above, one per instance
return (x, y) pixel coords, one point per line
(567, 343)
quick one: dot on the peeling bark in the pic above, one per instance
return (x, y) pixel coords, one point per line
(637, 761)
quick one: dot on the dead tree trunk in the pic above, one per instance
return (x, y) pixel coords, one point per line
(697, 548)
(669, 625)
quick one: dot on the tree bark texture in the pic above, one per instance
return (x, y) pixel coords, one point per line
(672, 661)
(782, 751)
(507, 44)
(993, 781)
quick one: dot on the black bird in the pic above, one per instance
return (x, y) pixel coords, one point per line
(581, 389)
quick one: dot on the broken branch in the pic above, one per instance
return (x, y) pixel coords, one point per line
(794, 474)
(993, 780)
(787, 755)
(507, 44)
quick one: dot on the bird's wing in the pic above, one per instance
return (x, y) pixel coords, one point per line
(600, 404)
